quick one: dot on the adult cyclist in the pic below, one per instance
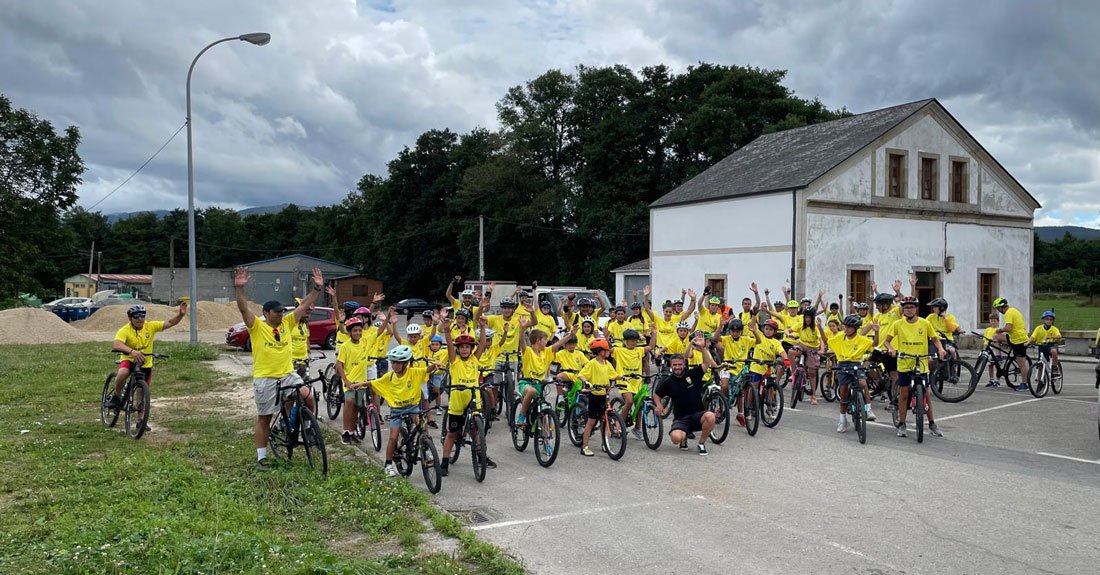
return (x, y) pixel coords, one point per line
(1014, 333)
(135, 342)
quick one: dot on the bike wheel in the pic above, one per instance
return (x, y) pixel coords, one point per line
(953, 381)
(979, 369)
(751, 405)
(400, 458)
(1011, 373)
(1037, 379)
(547, 439)
(614, 436)
(361, 424)
(429, 464)
(771, 404)
(108, 415)
(278, 436)
(858, 416)
(918, 410)
(509, 400)
(576, 420)
(798, 381)
(1056, 379)
(313, 440)
(520, 435)
(456, 449)
(827, 383)
(721, 408)
(375, 421)
(136, 404)
(477, 447)
(653, 427)
(616, 404)
(334, 397)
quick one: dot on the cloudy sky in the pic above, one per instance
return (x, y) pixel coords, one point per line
(344, 84)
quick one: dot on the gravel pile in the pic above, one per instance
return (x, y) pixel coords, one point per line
(28, 325)
(212, 316)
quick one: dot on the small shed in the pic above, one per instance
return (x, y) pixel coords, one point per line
(356, 287)
(84, 285)
(288, 277)
(631, 277)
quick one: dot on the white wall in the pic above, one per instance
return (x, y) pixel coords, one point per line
(926, 135)
(894, 246)
(851, 185)
(746, 239)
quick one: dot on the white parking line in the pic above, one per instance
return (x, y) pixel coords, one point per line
(1096, 462)
(957, 415)
(582, 512)
(1089, 401)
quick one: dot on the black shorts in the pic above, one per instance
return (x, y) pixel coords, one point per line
(786, 345)
(890, 364)
(693, 422)
(597, 404)
(1019, 349)
(455, 423)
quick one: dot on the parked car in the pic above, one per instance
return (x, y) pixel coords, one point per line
(70, 308)
(67, 302)
(415, 306)
(322, 331)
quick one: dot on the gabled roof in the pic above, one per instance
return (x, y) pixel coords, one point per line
(790, 159)
(250, 264)
(638, 266)
(125, 278)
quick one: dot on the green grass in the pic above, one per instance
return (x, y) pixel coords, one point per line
(1073, 312)
(78, 498)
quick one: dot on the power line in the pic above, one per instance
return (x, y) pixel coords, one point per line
(118, 187)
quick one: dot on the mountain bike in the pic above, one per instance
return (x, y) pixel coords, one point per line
(739, 387)
(368, 421)
(414, 446)
(644, 410)
(664, 370)
(541, 424)
(855, 409)
(294, 426)
(952, 379)
(1004, 362)
(769, 396)
(572, 408)
(472, 432)
(799, 385)
(134, 401)
(332, 390)
(1043, 374)
(826, 379)
(612, 429)
(918, 394)
(506, 396)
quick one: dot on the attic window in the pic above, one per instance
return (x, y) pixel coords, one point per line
(959, 182)
(929, 174)
(895, 176)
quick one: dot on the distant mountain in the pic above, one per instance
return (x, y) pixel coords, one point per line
(1051, 233)
(112, 218)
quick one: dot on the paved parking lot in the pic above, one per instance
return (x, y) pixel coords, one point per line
(1014, 487)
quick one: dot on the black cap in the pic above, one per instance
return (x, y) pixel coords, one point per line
(274, 305)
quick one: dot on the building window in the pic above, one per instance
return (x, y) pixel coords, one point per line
(717, 285)
(928, 179)
(360, 290)
(987, 290)
(927, 290)
(858, 284)
(959, 183)
(895, 176)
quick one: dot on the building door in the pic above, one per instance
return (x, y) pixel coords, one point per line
(858, 284)
(717, 285)
(927, 290)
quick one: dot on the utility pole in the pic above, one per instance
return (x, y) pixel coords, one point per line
(171, 270)
(91, 258)
(99, 271)
(481, 247)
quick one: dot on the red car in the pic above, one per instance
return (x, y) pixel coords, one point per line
(322, 331)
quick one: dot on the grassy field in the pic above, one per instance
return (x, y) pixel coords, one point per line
(1073, 312)
(78, 498)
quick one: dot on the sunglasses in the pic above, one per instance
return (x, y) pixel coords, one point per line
(138, 316)
(275, 332)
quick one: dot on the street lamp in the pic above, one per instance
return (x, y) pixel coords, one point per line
(258, 39)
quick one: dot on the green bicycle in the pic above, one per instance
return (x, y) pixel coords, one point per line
(644, 410)
(572, 408)
(541, 424)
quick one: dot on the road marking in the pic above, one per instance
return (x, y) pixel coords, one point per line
(847, 549)
(957, 415)
(1089, 401)
(1096, 462)
(583, 512)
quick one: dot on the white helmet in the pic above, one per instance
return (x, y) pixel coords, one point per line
(489, 333)
(683, 325)
(467, 292)
(414, 329)
(585, 320)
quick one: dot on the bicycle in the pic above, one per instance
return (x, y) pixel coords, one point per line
(541, 423)
(739, 387)
(473, 430)
(414, 446)
(855, 409)
(768, 394)
(645, 408)
(332, 390)
(283, 435)
(714, 400)
(826, 379)
(918, 394)
(572, 407)
(1043, 375)
(612, 429)
(1004, 362)
(134, 401)
(798, 377)
(506, 395)
(952, 379)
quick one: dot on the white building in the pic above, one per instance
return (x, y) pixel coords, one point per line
(838, 205)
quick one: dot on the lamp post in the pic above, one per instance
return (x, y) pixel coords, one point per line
(255, 38)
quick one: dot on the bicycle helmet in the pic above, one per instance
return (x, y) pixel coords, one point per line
(811, 312)
(683, 325)
(599, 343)
(714, 300)
(351, 306)
(1047, 314)
(465, 313)
(508, 302)
(465, 339)
(401, 353)
(362, 311)
(635, 305)
(668, 303)
(1000, 302)
(806, 300)
(377, 323)
(792, 303)
(909, 300)
(546, 304)
(630, 334)
(352, 323)
(587, 301)
(938, 302)
(771, 323)
(852, 320)
(678, 302)
(426, 313)
(134, 310)
(736, 325)
(884, 298)
(619, 308)
(588, 320)
(862, 305)
(467, 292)
(414, 329)
(437, 339)
(489, 333)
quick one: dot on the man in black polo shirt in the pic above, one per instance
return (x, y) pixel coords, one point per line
(685, 387)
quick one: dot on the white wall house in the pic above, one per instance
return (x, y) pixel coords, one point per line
(633, 276)
(838, 205)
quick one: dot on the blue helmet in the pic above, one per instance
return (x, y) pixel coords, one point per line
(1047, 314)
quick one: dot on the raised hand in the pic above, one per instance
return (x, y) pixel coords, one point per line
(913, 280)
(393, 314)
(524, 322)
(646, 291)
(752, 287)
(874, 288)
(240, 277)
(820, 293)
(698, 340)
(635, 294)
(576, 327)
(506, 326)
(379, 297)
(691, 293)
(482, 321)
(897, 283)
(445, 322)
(330, 291)
(318, 279)
(683, 292)
(183, 308)
(457, 279)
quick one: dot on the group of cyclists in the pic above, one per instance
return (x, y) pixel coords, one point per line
(459, 350)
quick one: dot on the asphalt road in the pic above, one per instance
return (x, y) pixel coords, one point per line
(1013, 487)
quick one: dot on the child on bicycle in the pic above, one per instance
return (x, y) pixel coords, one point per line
(990, 333)
(537, 358)
(767, 349)
(1047, 337)
(735, 347)
(437, 355)
(850, 348)
(463, 354)
(571, 359)
(351, 368)
(400, 387)
(912, 335)
(629, 361)
(810, 345)
(598, 373)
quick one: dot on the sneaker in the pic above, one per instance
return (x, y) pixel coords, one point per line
(345, 438)
(145, 427)
(585, 451)
(637, 433)
(262, 464)
(702, 449)
(521, 419)
(432, 424)
(901, 431)
(439, 411)
(115, 402)
(391, 470)
(935, 430)
(443, 468)
(992, 383)
(490, 463)
(870, 412)
(843, 425)
(741, 419)
(1021, 387)
(684, 444)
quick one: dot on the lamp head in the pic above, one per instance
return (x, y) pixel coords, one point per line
(257, 38)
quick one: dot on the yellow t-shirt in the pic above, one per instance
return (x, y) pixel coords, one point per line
(941, 325)
(708, 322)
(666, 330)
(885, 320)
(638, 323)
(420, 349)
(1018, 334)
(271, 357)
(767, 349)
(341, 337)
(598, 372)
(299, 341)
(745, 317)
(497, 323)
(677, 345)
(1041, 334)
(463, 372)
(735, 351)
(808, 336)
(457, 331)
(354, 357)
(489, 357)
(628, 361)
(141, 340)
(571, 360)
(438, 356)
(401, 390)
(545, 323)
(912, 338)
(793, 323)
(377, 344)
(851, 349)
(616, 329)
(535, 365)
(989, 333)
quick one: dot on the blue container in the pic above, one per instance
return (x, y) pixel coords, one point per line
(63, 313)
(79, 313)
